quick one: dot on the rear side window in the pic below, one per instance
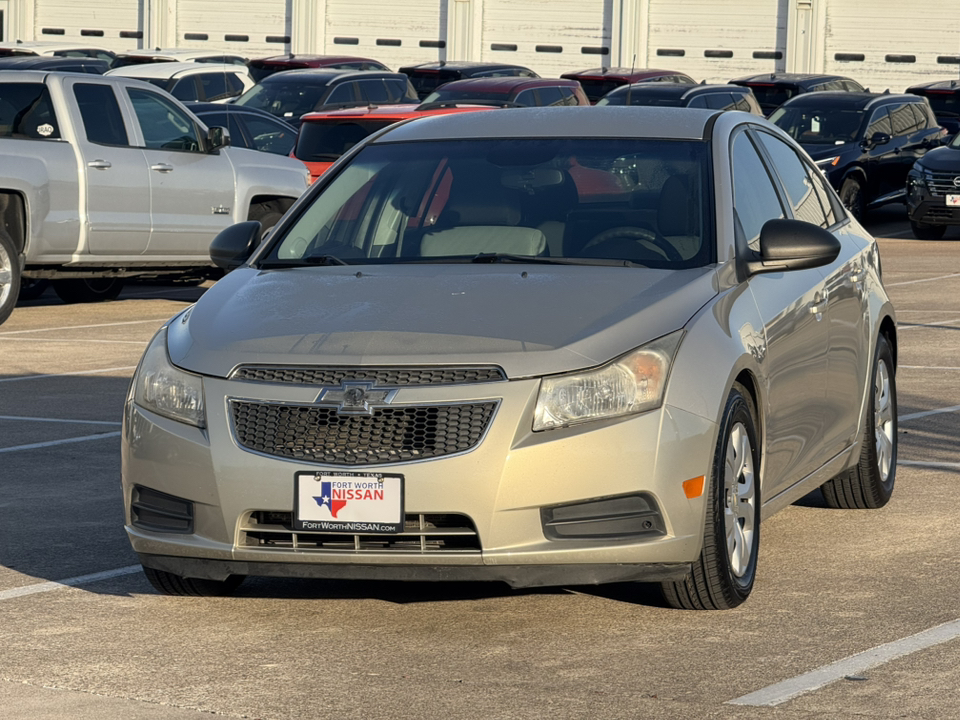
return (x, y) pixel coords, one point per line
(102, 119)
(903, 119)
(373, 91)
(26, 112)
(214, 86)
(720, 101)
(185, 89)
(550, 96)
(342, 93)
(327, 141)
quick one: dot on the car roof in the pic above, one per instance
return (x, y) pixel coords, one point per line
(504, 85)
(174, 69)
(175, 53)
(789, 78)
(559, 122)
(305, 58)
(49, 47)
(389, 112)
(324, 76)
(47, 62)
(953, 84)
(461, 65)
(849, 100)
(620, 73)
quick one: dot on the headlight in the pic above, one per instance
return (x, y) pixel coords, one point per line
(828, 162)
(631, 384)
(166, 390)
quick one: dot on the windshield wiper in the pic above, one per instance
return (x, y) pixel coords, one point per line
(507, 257)
(324, 260)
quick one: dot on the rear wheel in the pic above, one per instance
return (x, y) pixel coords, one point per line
(922, 231)
(87, 290)
(870, 483)
(169, 584)
(9, 276)
(722, 577)
(32, 288)
(851, 195)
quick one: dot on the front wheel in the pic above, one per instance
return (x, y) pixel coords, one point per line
(922, 231)
(869, 484)
(722, 577)
(851, 195)
(87, 290)
(167, 583)
(9, 276)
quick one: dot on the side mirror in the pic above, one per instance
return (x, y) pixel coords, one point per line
(217, 137)
(793, 245)
(878, 138)
(235, 244)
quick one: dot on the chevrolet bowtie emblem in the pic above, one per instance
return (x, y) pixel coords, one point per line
(356, 398)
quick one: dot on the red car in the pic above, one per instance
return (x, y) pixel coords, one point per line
(262, 67)
(325, 136)
(509, 92)
(597, 82)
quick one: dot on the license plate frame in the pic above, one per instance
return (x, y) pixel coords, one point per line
(367, 503)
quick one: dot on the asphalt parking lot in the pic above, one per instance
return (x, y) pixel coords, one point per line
(854, 614)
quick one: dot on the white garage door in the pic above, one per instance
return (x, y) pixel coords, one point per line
(115, 26)
(892, 46)
(252, 28)
(548, 36)
(717, 40)
(378, 29)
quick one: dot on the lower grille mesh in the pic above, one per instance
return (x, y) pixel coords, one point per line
(422, 534)
(394, 434)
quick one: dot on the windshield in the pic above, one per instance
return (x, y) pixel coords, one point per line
(771, 97)
(425, 82)
(944, 103)
(571, 201)
(596, 89)
(162, 83)
(649, 99)
(283, 99)
(466, 96)
(810, 126)
(327, 141)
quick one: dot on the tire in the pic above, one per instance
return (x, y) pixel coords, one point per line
(268, 213)
(9, 276)
(169, 584)
(922, 231)
(869, 484)
(722, 577)
(851, 195)
(87, 290)
(32, 288)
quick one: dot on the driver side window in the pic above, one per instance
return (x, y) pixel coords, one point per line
(755, 199)
(164, 126)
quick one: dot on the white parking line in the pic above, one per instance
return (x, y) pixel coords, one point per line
(926, 367)
(83, 327)
(910, 326)
(64, 441)
(853, 665)
(74, 340)
(59, 420)
(930, 465)
(69, 374)
(69, 582)
(927, 413)
(924, 280)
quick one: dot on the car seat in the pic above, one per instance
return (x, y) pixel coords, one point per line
(678, 216)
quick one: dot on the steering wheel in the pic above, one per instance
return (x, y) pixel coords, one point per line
(643, 235)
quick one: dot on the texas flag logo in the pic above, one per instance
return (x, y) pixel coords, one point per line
(326, 499)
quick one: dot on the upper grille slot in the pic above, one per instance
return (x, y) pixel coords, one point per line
(317, 433)
(942, 184)
(329, 376)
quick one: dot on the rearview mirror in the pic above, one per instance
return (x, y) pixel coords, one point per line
(793, 245)
(217, 137)
(235, 244)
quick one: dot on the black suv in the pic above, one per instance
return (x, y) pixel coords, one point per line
(427, 77)
(774, 89)
(290, 94)
(865, 143)
(86, 65)
(933, 191)
(944, 97)
(715, 97)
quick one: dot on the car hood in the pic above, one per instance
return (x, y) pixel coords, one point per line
(528, 319)
(942, 159)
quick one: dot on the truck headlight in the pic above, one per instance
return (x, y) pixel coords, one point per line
(167, 390)
(633, 383)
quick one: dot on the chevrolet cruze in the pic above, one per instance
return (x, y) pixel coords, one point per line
(544, 347)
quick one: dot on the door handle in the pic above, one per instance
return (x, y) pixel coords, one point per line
(897, 151)
(99, 164)
(857, 277)
(819, 305)
(162, 167)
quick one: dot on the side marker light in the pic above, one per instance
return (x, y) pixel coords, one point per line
(693, 488)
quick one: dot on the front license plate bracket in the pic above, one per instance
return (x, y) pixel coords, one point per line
(350, 503)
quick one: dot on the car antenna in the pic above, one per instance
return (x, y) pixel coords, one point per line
(633, 65)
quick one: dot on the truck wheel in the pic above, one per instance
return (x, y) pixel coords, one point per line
(268, 213)
(722, 577)
(169, 584)
(87, 290)
(9, 276)
(922, 231)
(869, 484)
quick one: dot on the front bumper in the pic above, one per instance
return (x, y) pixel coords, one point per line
(505, 487)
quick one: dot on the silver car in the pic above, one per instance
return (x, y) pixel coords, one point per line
(545, 347)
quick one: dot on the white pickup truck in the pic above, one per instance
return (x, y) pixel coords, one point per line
(104, 178)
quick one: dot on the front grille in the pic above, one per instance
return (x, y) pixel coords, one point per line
(380, 376)
(315, 433)
(422, 534)
(942, 184)
(939, 213)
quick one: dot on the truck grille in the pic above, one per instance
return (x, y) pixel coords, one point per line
(316, 433)
(380, 376)
(422, 534)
